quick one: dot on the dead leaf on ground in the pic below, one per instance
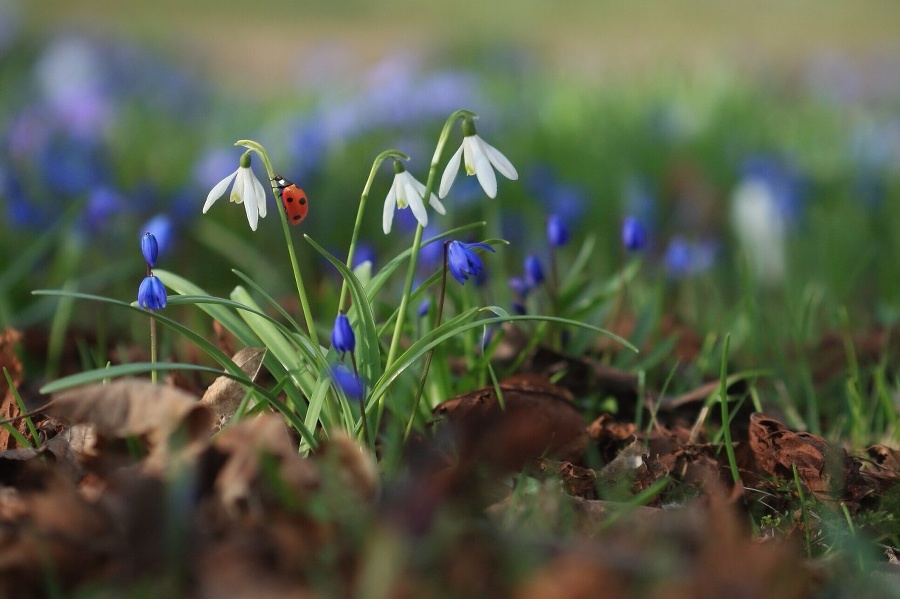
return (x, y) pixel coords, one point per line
(538, 419)
(778, 449)
(225, 394)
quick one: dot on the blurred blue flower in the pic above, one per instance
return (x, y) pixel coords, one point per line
(784, 183)
(348, 382)
(70, 166)
(103, 202)
(557, 232)
(162, 229)
(365, 252)
(518, 286)
(152, 294)
(567, 200)
(463, 262)
(534, 271)
(684, 257)
(423, 308)
(149, 248)
(634, 237)
(342, 338)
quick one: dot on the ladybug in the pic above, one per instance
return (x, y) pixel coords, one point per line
(296, 204)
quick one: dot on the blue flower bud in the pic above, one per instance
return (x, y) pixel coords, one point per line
(424, 307)
(634, 237)
(152, 294)
(149, 248)
(463, 262)
(534, 272)
(348, 382)
(557, 232)
(342, 338)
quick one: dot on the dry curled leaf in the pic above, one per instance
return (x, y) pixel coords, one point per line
(225, 394)
(777, 450)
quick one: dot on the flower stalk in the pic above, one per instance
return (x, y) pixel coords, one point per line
(359, 215)
(292, 254)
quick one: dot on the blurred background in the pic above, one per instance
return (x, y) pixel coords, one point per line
(758, 143)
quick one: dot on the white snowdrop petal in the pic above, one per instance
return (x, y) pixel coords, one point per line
(450, 171)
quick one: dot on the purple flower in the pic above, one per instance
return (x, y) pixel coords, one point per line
(342, 338)
(463, 262)
(149, 248)
(152, 294)
(557, 232)
(534, 271)
(634, 237)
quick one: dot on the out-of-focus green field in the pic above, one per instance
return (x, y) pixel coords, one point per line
(248, 43)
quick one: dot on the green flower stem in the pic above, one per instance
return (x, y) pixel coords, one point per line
(417, 242)
(359, 215)
(153, 350)
(362, 407)
(301, 289)
(430, 355)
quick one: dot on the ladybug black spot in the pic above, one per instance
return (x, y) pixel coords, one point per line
(289, 200)
(297, 218)
(302, 201)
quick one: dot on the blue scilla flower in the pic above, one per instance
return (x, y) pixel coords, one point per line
(348, 382)
(463, 262)
(634, 236)
(342, 338)
(557, 232)
(152, 294)
(150, 248)
(534, 271)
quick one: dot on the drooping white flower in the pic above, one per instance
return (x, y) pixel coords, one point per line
(761, 229)
(406, 191)
(480, 159)
(246, 190)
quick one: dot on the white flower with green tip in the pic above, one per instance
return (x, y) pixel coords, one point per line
(480, 159)
(406, 191)
(247, 190)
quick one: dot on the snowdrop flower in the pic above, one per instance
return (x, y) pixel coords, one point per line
(406, 191)
(247, 190)
(761, 229)
(480, 158)
(463, 262)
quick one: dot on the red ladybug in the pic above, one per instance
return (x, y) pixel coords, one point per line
(296, 204)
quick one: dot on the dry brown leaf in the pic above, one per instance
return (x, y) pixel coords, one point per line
(246, 445)
(225, 394)
(778, 449)
(538, 419)
(133, 408)
(46, 526)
